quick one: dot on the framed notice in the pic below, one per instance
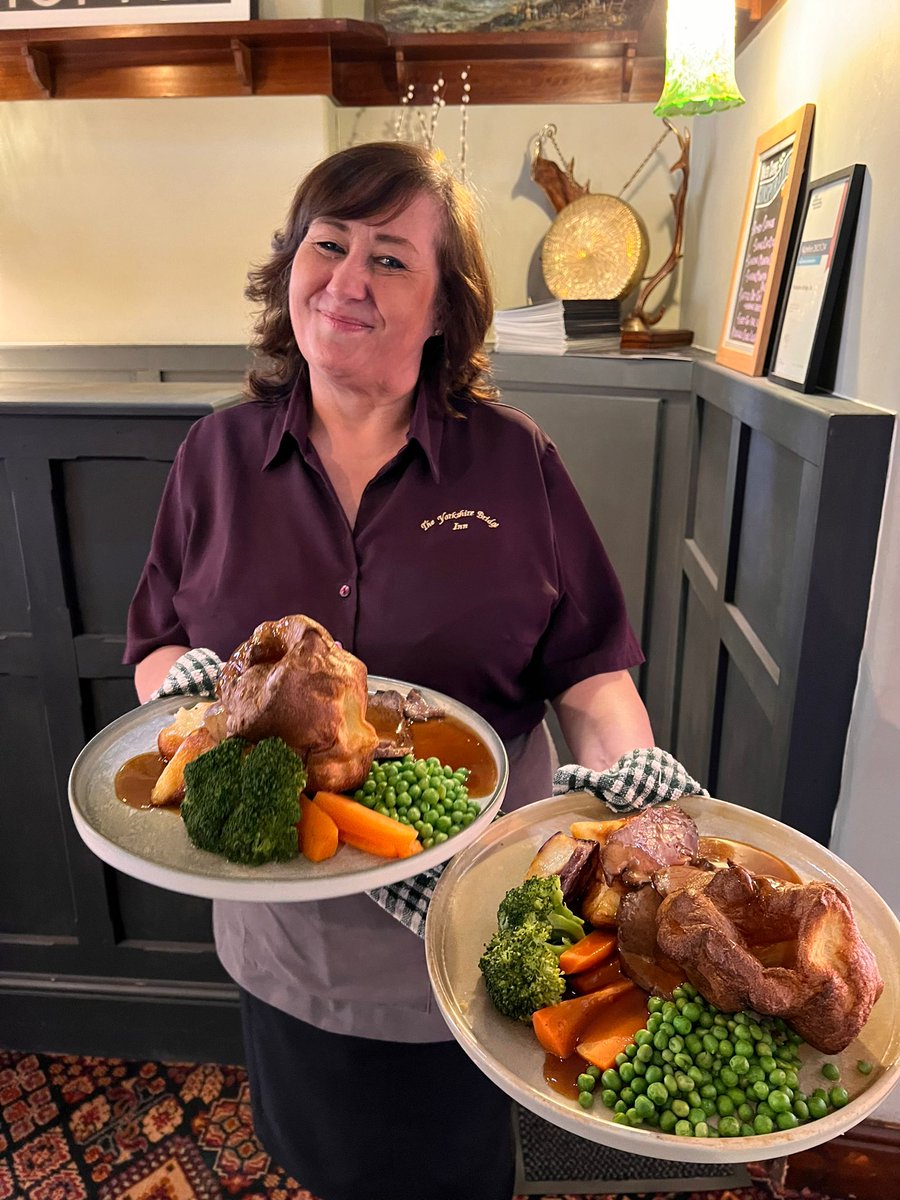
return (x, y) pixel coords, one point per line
(779, 163)
(816, 275)
(44, 14)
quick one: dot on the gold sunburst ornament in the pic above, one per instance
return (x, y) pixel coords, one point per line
(596, 249)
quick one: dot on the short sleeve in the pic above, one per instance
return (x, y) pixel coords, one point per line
(152, 617)
(589, 632)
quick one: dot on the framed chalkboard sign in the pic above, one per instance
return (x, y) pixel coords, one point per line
(776, 177)
(815, 277)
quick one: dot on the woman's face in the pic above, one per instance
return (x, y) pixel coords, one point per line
(363, 296)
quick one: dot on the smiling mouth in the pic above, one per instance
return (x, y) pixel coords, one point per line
(342, 323)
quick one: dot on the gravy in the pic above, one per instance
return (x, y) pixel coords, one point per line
(456, 745)
(136, 779)
(444, 737)
(720, 851)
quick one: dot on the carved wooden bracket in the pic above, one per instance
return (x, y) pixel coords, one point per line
(243, 65)
(39, 68)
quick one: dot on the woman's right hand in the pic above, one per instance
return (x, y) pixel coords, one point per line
(152, 670)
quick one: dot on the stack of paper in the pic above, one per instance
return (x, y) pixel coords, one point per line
(555, 326)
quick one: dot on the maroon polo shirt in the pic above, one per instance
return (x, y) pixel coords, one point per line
(473, 567)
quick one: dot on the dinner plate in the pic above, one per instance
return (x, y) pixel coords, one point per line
(462, 917)
(151, 844)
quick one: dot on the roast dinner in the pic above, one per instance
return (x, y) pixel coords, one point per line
(678, 979)
(296, 756)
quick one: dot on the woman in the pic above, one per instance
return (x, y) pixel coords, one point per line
(373, 485)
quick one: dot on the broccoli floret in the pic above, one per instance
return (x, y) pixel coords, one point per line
(263, 827)
(540, 899)
(245, 806)
(212, 790)
(521, 971)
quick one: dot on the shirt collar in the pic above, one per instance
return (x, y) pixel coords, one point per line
(426, 426)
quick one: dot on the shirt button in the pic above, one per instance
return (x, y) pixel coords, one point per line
(344, 590)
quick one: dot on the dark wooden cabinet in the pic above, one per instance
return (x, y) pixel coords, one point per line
(90, 959)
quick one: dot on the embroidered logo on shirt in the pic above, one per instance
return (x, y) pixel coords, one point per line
(460, 519)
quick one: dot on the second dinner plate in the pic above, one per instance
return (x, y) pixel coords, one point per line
(463, 916)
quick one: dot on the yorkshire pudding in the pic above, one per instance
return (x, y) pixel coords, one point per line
(718, 925)
(292, 680)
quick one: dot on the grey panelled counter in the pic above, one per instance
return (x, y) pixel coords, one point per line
(90, 960)
(741, 517)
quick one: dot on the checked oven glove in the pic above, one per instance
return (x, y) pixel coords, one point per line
(639, 779)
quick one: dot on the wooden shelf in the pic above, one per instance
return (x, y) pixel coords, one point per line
(356, 63)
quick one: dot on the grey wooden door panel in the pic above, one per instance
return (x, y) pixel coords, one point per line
(777, 558)
(108, 509)
(707, 519)
(80, 497)
(608, 444)
(35, 896)
(767, 542)
(747, 761)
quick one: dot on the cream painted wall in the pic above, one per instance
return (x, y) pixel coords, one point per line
(810, 50)
(135, 221)
(147, 213)
(607, 141)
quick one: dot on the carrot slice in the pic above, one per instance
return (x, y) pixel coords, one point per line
(382, 849)
(610, 1031)
(354, 819)
(318, 834)
(595, 947)
(558, 1027)
(597, 977)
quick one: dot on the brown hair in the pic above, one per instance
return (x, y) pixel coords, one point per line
(364, 181)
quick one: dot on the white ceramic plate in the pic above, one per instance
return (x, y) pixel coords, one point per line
(152, 844)
(462, 917)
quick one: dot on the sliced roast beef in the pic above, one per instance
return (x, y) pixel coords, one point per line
(655, 838)
(639, 953)
(417, 708)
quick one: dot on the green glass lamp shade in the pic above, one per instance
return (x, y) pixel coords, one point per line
(699, 58)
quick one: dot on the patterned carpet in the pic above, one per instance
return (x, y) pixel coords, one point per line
(76, 1128)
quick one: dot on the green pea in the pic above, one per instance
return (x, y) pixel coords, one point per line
(609, 1097)
(763, 1124)
(643, 1106)
(585, 1082)
(610, 1079)
(585, 1099)
(684, 1128)
(839, 1096)
(779, 1101)
(729, 1127)
(818, 1107)
(658, 1093)
(830, 1071)
(864, 1067)
(787, 1120)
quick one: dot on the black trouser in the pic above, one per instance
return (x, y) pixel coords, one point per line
(358, 1119)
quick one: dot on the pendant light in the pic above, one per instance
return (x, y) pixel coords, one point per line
(699, 58)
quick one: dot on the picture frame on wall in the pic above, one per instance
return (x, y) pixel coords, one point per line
(816, 277)
(776, 178)
(53, 14)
